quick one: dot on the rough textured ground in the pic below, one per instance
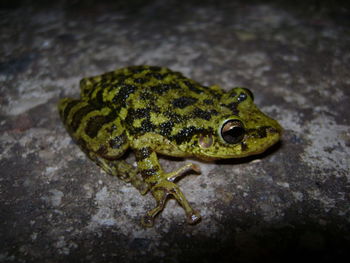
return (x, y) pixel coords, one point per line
(291, 203)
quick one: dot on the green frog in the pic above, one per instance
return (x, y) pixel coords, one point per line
(153, 110)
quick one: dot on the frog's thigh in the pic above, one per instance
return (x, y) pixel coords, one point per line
(108, 145)
(101, 136)
(96, 129)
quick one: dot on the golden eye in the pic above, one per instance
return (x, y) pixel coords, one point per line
(232, 131)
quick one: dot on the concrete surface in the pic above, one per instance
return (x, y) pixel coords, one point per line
(289, 204)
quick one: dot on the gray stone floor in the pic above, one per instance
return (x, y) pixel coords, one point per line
(289, 204)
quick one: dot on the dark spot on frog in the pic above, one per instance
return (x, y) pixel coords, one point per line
(146, 96)
(141, 80)
(215, 94)
(120, 80)
(162, 88)
(261, 132)
(79, 115)
(155, 108)
(186, 134)
(208, 102)
(99, 97)
(183, 102)
(149, 172)
(174, 117)
(137, 114)
(193, 87)
(146, 126)
(64, 114)
(95, 123)
(156, 75)
(232, 106)
(143, 153)
(165, 128)
(202, 114)
(102, 151)
(142, 113)
(105, 80)
(123, 94)
(118, 141)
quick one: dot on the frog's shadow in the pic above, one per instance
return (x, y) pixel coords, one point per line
(233, 161)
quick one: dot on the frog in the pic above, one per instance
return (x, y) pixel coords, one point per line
(152, 111)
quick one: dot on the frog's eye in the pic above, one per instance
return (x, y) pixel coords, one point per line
(232, 131)
(249, 93)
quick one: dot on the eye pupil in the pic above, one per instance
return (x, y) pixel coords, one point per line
(233, 131)
(233, 134)
(242, 97)
(250, 93)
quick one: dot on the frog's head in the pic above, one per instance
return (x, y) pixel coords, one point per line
(241, 130)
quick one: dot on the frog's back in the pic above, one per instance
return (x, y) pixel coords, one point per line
(131, 85)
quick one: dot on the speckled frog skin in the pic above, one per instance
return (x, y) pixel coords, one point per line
(154, 110)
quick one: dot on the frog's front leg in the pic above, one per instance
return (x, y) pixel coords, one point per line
(165, 188)
(162, 185)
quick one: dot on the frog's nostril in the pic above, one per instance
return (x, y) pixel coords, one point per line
(273, 130)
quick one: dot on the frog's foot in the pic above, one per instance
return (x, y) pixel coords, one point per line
(166, 188)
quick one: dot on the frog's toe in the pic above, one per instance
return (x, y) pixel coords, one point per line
(147, 221)
(160, 195)
(193, 218)
(196, 168)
